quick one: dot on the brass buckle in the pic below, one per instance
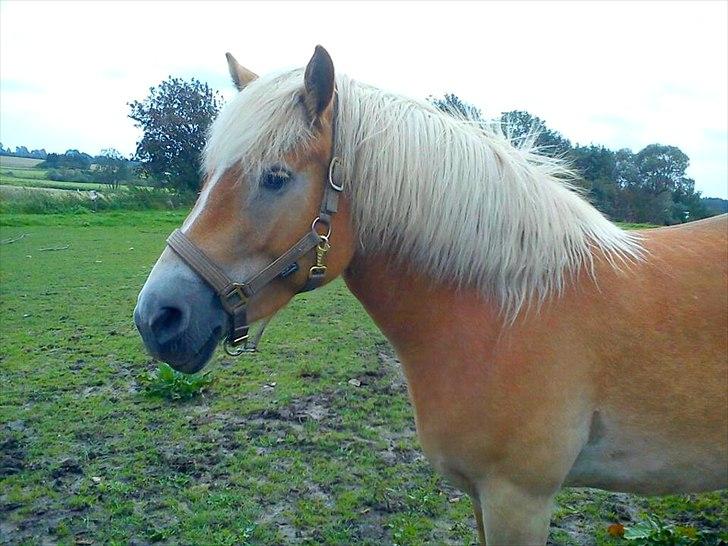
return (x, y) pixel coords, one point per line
(317, 272)
(237, 292)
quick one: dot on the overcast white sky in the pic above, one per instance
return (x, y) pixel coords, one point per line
(622, 74)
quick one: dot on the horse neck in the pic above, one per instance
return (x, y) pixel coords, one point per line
(416, 312)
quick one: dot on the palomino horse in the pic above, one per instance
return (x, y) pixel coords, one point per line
(542, 345)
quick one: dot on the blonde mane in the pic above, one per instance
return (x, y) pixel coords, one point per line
(445, 195)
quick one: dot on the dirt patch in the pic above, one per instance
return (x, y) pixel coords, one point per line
(12, 456)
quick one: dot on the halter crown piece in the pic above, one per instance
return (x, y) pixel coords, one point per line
(233, 295)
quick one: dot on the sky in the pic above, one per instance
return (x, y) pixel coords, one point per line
(620, 74)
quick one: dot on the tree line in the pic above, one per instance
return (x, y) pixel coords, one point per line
(22, 151)
(649, 186)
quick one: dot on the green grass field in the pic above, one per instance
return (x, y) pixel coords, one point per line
(11, 162)
(24, 172)
(38, 182)
(280, 449)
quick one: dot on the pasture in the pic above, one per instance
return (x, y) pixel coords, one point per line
(311, 440)
(23, 163)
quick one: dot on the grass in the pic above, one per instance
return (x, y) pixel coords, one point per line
(37, 201)
(27, 173)
(37, 178)
(11, 162)
(38, 181)
(280, 448)
(26, 190)
(634, 225)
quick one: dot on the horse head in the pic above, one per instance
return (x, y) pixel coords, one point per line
(269, 174)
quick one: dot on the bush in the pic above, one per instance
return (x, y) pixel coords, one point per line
(70, 175)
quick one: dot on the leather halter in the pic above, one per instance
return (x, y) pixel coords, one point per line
(233, 295)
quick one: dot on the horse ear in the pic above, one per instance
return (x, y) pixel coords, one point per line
(319, 80)
(241, 76)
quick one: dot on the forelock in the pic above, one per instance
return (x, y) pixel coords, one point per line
(262, 124)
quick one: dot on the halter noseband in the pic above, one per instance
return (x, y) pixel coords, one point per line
(233, 295)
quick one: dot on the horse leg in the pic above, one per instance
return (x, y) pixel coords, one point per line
(478, 511)
(515, 516)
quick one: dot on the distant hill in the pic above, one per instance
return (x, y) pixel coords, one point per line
(715, 205)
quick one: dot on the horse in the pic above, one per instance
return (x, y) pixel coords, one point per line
(542, 345)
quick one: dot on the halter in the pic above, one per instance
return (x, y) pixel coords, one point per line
(234, 296)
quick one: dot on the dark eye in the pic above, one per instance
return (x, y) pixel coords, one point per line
(274, 179)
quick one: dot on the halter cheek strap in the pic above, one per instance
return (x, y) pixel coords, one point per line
(234, 296)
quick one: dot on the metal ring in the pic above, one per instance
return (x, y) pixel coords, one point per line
(334, 161)
(328, 226)
(234, 350)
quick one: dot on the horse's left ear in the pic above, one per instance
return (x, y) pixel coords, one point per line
(319, 80)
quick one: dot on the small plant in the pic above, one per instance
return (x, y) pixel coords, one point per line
(653, 531)
(167, 383)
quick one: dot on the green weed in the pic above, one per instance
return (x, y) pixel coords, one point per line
(654, 531)
(167, 383)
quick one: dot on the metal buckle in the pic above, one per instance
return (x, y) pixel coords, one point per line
(238, 346)
(238, 292)
(334, 161)
(317, 272)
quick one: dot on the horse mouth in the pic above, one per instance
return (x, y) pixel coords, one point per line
(202, 356)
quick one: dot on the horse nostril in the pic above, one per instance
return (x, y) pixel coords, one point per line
(167, 323)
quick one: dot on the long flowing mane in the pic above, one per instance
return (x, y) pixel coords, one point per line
(447, 196)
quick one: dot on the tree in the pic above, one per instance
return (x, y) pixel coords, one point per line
(519, 125)
(113, 168)
(655, 186)
(455, 106)
(72, 159)
(174, 117)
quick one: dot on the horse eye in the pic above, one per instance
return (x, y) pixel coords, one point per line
(275, 179)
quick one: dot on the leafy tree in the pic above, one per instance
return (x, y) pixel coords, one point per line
(80, 159)
(174, 117)
(113, 168)
(655, 187)
(594, 162)
(454, 105)
(72, 159)
(714, 205)
(521, 125)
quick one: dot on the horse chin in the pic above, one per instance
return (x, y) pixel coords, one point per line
(201, 357)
